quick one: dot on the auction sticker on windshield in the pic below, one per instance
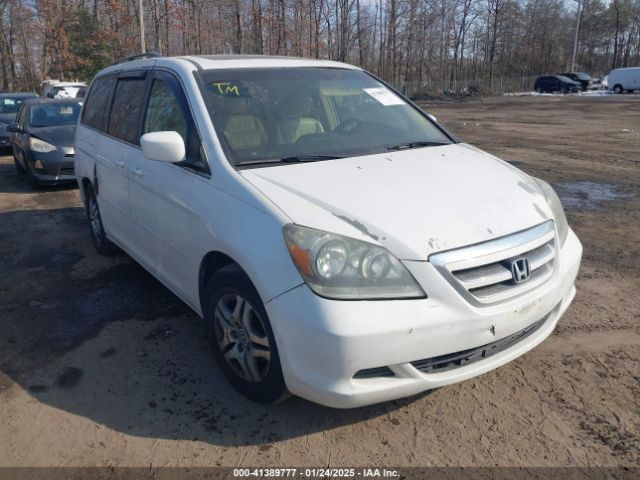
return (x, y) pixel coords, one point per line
(384, 96)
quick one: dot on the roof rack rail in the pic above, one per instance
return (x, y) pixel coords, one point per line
(140, 56)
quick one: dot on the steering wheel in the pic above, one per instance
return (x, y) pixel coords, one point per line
(348, 127)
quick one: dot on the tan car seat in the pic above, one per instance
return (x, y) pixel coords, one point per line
(243, 130)
(297, 121)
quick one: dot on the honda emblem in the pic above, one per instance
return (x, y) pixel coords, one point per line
(520, 270)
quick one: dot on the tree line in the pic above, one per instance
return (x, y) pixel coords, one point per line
(419, 46)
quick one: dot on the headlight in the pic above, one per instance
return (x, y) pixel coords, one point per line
(556, 208)
(348, 269)
(41, 146)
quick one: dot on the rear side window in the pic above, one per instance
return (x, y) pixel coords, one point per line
(126, 107)
(95, 107)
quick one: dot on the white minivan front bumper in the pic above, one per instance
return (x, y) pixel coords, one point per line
(324, 343)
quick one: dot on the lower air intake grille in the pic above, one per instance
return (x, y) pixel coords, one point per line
(374, 373)
(467, 357)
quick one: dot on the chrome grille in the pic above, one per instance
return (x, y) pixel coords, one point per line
(482, 273)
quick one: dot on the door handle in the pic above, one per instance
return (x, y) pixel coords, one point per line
(119, 163)
(137, 171)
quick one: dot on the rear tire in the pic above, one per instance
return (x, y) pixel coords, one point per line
(100, 241)
(241, 337)
(563, 90)
(539, 90)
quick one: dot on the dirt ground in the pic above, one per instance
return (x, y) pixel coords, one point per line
(100, 365)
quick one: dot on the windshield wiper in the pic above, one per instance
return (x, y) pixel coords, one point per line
(405, 146)
(308, 158)
(290, 159)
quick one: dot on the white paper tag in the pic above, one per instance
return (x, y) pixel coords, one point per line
(384, 96)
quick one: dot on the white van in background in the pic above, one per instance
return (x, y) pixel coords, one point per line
(622, 79)
(56, 89)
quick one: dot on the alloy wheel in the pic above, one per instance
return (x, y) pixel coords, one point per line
(242, 337)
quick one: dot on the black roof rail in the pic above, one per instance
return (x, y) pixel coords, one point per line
(140, 56)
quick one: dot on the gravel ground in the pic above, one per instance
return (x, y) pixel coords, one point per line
(100, 365)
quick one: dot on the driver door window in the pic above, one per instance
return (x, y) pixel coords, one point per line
(164, 112)
(167, 110)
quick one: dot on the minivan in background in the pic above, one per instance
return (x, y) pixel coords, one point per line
(339, 243)
(43, 140)
(624, 80)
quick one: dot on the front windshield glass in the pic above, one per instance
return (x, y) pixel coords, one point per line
(55, 114)
(583, 76)
(307, 114)
(11, 105)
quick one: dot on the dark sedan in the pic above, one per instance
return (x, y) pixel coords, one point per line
(584, 79)
(555, 83)
(43, 140)
(9, 105)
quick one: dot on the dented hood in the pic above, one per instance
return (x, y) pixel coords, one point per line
(415, 202)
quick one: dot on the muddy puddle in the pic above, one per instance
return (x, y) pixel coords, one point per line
(589, 195)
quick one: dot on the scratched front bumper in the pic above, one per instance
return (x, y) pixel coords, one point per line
(57, 166)
(324, 343)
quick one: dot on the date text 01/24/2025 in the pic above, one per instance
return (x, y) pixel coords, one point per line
(314, 472)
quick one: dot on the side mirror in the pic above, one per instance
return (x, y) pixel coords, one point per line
(13, 128)
(163, 146)
(433, 119)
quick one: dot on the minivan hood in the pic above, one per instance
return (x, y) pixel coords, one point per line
(62, 136)
(415, 202)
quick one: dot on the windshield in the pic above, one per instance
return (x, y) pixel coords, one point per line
(55, 115)
(11, 105)
(565, 79)
(310, 114)
(67, 91)
(583, 76)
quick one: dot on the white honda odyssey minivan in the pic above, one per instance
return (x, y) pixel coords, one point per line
(339, 243)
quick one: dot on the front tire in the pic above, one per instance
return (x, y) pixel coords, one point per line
(241, 337)
(617, 89)
(19, 168)
(100, 241)
(32, 178)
